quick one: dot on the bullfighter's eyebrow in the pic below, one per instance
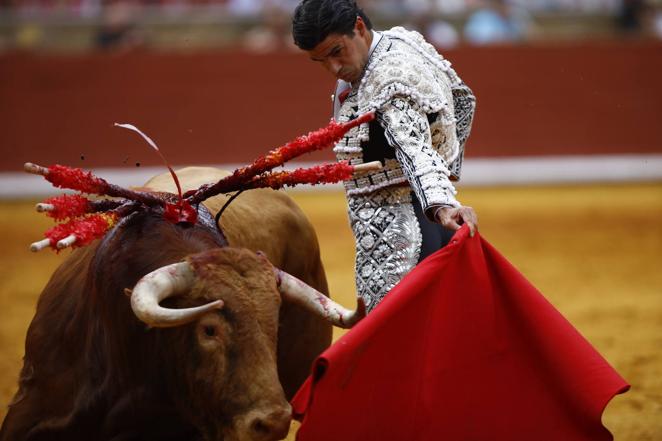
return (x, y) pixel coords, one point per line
(335, 49)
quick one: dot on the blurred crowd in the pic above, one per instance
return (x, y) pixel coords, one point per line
(265, 23)
(252, 8)
(257, 7)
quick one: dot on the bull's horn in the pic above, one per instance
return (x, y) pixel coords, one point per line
(161, 284)
(299, 292)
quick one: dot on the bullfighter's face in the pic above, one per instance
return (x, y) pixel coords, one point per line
(345, 56)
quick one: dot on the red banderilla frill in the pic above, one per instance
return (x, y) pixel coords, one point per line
(317, 140)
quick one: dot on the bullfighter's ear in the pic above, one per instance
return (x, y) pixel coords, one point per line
(128, 292)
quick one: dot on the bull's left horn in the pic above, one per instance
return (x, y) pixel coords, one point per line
(161, 284)
(299, 292)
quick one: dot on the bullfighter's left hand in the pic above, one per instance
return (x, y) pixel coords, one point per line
(453, 218)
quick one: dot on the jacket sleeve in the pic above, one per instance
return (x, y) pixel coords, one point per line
(408, 131)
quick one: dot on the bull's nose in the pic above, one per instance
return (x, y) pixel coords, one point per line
(271, 427)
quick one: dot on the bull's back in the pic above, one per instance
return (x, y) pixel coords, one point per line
(269, 221)
(190, 178)
(261, 219)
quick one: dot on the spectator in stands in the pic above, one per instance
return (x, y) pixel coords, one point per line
(631, 16)
(118, 28)
(497, 21)
(655, 21)
(440, 33)
(273, 32)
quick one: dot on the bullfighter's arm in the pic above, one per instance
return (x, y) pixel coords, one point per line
(408, 131)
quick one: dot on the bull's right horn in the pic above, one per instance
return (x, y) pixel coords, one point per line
(305, 295)
(163, 283)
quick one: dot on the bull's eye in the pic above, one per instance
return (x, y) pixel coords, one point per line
(210, 331)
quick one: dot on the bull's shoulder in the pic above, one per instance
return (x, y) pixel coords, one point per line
(261, 219)
(265, 215)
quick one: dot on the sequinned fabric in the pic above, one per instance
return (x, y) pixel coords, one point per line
(388, 241)
(425, 112)
(464, 103)
(426, 169)
(404, 66)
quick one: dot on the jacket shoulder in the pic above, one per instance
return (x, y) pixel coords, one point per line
(401, 69)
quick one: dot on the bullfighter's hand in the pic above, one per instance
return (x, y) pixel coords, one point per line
(453, 218)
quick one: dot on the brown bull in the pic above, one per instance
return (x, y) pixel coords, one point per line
(222, 353)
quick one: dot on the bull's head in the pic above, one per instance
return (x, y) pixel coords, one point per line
(228, 301)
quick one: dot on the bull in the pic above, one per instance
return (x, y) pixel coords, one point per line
(229, 336)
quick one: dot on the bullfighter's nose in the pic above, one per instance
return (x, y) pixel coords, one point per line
(272, 426)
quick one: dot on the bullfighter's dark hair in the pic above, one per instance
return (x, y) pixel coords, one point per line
(314, 20)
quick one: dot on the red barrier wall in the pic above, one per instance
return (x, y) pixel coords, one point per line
(230, 106)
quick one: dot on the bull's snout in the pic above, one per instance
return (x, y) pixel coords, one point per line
(266, 425)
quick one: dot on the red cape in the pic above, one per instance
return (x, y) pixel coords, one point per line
(464, 348)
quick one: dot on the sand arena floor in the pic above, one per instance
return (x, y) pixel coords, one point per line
(594, 251)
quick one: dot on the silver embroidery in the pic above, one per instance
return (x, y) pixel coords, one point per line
(426, 169)
(388, 241)
(464, 103)
(403, 65)
(426, 111)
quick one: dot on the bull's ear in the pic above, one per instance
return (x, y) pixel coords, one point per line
(128, 292)
(262, 254)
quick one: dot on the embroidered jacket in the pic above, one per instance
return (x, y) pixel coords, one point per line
(424, 114)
